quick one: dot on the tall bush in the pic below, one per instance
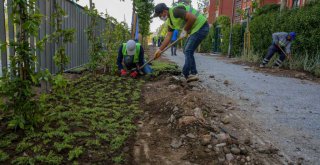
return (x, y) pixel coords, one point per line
(304, 21)
(207, 44)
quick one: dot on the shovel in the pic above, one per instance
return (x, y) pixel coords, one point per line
(285, 53)
(170, 45)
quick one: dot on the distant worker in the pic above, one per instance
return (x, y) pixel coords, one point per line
(191, 22)
(281, 43)
(159, 41)
(154, 41)
(173, 39)
(132, 55)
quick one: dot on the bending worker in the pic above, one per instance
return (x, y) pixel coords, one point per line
(191, 22)
(132, 55)
(281, 43)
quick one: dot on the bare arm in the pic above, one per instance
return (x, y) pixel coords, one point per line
(191, 19)
(166, 41)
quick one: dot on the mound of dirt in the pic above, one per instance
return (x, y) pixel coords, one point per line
(185, 124)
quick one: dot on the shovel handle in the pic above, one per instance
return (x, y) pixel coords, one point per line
(170, 45)
(284, 53)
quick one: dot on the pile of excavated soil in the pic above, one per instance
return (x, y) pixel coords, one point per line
(185, 124)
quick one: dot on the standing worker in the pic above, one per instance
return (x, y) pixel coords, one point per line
(154, 40)
(281, 43)
(173, 39)
(132, 55)
(191, 22)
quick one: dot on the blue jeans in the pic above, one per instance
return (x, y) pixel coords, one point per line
(190, 47)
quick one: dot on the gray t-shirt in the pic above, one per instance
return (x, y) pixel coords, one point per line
(280, 38)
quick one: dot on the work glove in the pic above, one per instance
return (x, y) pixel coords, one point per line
(134, 74)
(183, 34)
(157, 54)
(123, 72)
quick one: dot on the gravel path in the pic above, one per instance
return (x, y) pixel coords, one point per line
(285, 111)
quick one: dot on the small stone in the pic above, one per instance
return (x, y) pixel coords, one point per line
(247, 141)
(264, 150)
(147, 101)
(183, 136)
(207, 150)
(190, 135)
(211, 76)
(152, 122)
(248, 158)
(175, 79)
(173, 87)
(229, 157)
(158, 130)
(216, 149)
(226, 82)
(187, 120)
(205, 140)
(219, 111)
(242, 161)
(214, 141)
(222, 137)
(244, 98)
(140, 124)
(198, 114)
(209, 146)
(171, 119)
(226, 150)
(235, 150)
(126, 149)
(175, 143)
(243, 150)
(175, 109)
(221, 159)
(225, 120)
(300, 75)
(221, 145)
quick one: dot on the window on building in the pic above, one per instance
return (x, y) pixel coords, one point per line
(295, 3)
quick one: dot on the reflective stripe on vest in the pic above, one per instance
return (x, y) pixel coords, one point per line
(136, 55)
(178, 23)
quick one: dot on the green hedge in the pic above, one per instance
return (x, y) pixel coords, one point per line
(304, 21)
(237, 36)
(237, 40)
(207, 44)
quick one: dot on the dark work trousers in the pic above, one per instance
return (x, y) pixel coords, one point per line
(271, 51)
(173, 49)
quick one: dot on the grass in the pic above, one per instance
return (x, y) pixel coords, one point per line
(304, 62)
(91, 125)
(160, 67)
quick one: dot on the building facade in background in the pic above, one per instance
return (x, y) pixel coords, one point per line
(217, 8)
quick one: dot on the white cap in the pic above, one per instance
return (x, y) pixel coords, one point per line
(131, 47)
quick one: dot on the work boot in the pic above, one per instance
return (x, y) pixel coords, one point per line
(262, 66)
(192, 78)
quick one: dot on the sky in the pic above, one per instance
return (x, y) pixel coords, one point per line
(123, 10)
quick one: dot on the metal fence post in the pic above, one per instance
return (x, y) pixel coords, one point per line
(4, 58)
